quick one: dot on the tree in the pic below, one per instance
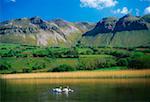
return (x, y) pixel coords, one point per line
(26, 70)
(122, 62)
(41, 53)
(4, 66)
(72, 53)
(63, 68)
(39, 65)
(140, 62)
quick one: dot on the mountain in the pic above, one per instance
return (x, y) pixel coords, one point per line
(85, 26)
(146, 18)
(128, 31)
(106, 25)
(37, 31)
(130, 23)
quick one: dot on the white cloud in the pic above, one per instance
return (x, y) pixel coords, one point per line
(124, 10)
(98, 4)
(12, 0)
(147, 10)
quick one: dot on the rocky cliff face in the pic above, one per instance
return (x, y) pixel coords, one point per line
(128, 31)
(18, 26)
(124, 32)
(106, 25)
(130, 23)
(126, 23)
(40, 32)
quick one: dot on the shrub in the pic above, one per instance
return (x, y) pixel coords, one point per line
(137, 54)
(72, 53)
(106, 63)
(4, 66)
(63, 68)
(89, 52)
(142, 62)
(41, 53)
(146, 51)
(80, 66)
(39, 65)
(21, 55)
(87, 64)
(14, 72)
(120, 54)
(94, 63)
(49, 70)
(10, 53)
(122, 62)
(26, 70)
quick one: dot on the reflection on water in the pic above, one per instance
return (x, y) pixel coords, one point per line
(59, 95)
(86, 90)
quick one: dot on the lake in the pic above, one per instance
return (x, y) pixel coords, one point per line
(85, 90)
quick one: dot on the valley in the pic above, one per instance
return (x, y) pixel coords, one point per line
(30, 45)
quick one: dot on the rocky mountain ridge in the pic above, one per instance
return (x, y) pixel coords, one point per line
(126, 23)
(41, 32)
(128, 31)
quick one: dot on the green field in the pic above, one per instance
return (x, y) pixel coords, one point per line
(16, 58)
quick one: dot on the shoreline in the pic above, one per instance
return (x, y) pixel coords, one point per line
(81, 75)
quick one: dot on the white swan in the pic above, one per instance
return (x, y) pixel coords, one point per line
(67, 89)
(59, 90)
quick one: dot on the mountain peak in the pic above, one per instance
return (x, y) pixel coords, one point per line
(58, 19)
(106, 25)
(41, 32)
(109, 19)
(129, 23)
(126, 23)
(36, 17)
(60, 22)
(53, 32)
(36, 20)
(129, 17)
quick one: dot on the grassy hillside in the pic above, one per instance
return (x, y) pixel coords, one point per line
(18, 38)
(131, 39)
(16, 58)
(120, 39)
(127, 31)
(44, 38)
(98, 40)
(36, 31)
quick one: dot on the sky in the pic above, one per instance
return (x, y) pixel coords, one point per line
(72, 10)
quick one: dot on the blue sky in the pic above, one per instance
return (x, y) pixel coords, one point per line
(72, 10)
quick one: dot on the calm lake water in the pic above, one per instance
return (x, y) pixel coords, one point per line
(86, 90)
